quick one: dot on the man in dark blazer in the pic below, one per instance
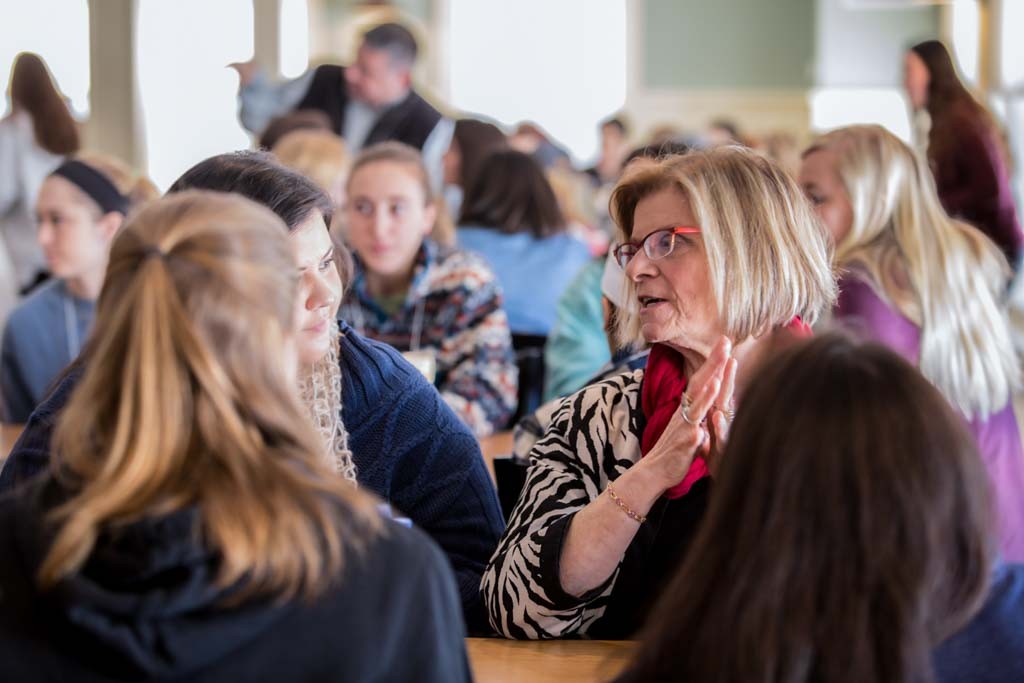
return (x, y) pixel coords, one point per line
(371, 100)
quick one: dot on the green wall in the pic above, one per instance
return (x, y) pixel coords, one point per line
(728, 43)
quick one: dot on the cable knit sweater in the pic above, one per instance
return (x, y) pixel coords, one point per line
(409, 447)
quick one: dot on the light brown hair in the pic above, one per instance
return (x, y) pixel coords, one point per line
(320, 155)
(185, 401)
(849, 533)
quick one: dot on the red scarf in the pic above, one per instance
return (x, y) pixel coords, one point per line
(664, 383)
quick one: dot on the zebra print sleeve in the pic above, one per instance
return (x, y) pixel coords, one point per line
(593, 437)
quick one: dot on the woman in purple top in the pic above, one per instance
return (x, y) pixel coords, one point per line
(926, 285)
(965, 148)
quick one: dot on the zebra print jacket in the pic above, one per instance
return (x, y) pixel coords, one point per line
(594, 437)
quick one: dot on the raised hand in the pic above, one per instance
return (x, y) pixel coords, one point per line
(246, 71)
(687, 433)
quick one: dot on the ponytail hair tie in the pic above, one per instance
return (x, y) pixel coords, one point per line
(153, 251)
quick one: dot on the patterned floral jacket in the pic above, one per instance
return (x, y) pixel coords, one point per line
(454, 311)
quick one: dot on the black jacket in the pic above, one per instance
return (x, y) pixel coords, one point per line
(410, 121)
(145, 608)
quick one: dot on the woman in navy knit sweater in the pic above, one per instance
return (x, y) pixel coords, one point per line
(383, 424)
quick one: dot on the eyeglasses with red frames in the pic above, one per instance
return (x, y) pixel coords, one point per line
(656, 245)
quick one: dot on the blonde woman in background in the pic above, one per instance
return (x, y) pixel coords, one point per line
(929, 287)
(189, 528)
(320, 155)
(80, 208)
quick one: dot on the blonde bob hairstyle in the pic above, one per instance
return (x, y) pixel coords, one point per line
(942, 274)
(768, 255)
(185, 402)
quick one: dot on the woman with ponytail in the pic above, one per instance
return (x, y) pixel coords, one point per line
(381, 424)
(928, 286)
(189, 527)
(80, 207)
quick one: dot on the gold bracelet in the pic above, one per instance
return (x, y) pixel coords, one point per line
(625, 508)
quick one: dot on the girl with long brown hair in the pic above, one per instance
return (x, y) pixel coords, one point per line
(189, 527)
(37, 134)
(849, 539)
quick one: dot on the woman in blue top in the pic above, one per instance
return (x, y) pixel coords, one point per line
(80, 208)
(510, 216)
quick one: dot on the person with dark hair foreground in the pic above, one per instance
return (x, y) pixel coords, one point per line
(371, 100)
(849, 538)
(191, 528)
(380, 422)
(965, 149)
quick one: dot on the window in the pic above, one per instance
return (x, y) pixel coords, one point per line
(837, 107)
(966, 24)
(188, 94)
(56, 30)
(294, 38)
(560, 64)
(1013, 46)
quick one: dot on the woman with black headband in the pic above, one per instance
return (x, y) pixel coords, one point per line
(80, 207)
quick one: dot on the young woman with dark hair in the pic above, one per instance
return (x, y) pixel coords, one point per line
(380, 422)
(511, 217)
(33, 139)
(965, 149)
(849, 538)
(190, 527)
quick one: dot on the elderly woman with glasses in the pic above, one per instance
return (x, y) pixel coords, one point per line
(724, 259)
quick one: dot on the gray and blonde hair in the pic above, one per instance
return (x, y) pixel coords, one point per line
(768, 256)
(943, 275)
